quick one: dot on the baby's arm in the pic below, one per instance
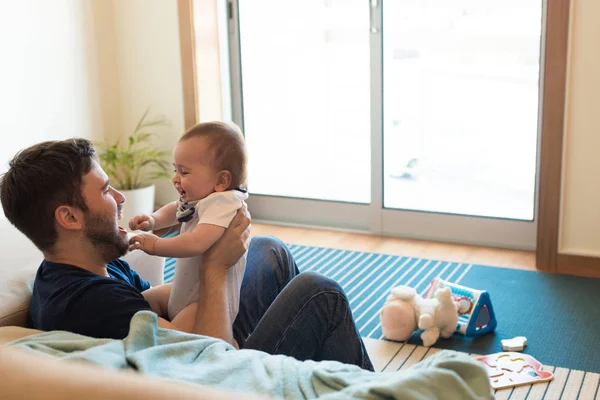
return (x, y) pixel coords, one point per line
(164, 217)
(188, 244)
(218, 210)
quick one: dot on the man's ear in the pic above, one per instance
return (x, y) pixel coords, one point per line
(223, 181)
(70, 218)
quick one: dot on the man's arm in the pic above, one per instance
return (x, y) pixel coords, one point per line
(211, 310)
(187, 244)
(213, 317)
(158, 298)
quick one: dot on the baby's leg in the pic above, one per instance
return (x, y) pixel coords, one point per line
(186, 318)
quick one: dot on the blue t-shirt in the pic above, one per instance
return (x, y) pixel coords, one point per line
(66, 297)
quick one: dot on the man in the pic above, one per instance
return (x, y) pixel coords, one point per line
(57, 194)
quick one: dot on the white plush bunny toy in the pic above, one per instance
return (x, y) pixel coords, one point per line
(405, 311)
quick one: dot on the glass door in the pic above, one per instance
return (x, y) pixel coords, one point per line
(461, 100)
(416, 118)
(303, 86)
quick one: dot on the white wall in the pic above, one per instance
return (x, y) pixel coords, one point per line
(148, 68)
(48, 85)
(580, 222)
(90, 69)
(109, 87)
(143, 67)
(47, 74)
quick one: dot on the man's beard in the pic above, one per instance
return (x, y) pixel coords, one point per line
(100, 231)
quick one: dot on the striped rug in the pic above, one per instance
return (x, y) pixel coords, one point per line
(367, 277)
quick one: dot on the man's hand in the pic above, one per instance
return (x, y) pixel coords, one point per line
(212, 318)
(143, 241)
(232, 245)
(142, 222)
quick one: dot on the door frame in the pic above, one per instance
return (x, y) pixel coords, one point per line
(548, 256)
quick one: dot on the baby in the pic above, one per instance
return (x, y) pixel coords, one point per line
(210, 175)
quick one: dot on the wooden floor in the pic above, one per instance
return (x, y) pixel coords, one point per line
(389, 245)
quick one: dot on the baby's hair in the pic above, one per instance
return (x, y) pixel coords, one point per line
(228, 149)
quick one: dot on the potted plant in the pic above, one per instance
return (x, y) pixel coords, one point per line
(134, 164)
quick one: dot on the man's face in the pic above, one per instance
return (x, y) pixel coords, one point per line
(102, 217)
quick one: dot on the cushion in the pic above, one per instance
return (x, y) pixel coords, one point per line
(10, 333)
(18, 265)
(150, 268)
(15, 293)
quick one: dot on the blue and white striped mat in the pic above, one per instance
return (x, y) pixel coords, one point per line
(367, 277)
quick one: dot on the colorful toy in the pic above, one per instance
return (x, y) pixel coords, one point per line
(513, 369)
(515, 344)
(405, 311)
(475, 312)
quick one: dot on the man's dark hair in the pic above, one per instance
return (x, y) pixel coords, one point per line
(40, 179)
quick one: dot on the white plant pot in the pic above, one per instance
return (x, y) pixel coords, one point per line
(137, 201)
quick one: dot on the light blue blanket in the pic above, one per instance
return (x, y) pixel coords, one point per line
(204, 360)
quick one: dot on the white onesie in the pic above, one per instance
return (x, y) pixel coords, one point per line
(218, 208)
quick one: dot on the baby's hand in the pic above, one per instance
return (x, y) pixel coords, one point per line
(142, 222)
(143, 241)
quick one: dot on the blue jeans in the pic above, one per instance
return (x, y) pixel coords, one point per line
(306, 316)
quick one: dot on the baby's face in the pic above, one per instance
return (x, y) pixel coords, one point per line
(195, 177)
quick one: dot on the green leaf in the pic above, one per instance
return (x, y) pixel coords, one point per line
(130, 166)
(141, 121)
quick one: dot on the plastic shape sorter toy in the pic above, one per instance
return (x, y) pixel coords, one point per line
(475, 312)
